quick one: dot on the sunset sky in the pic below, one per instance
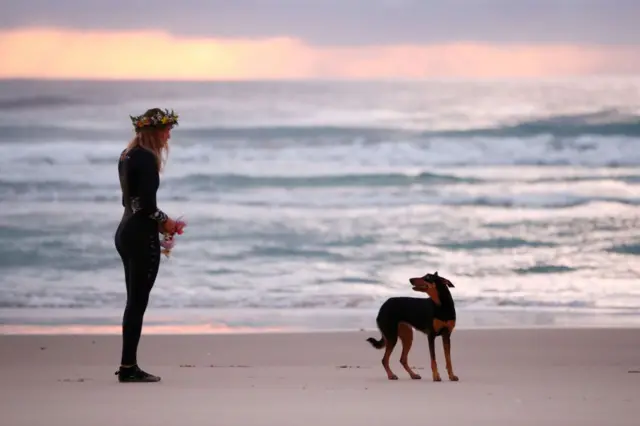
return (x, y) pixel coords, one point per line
(329, 39)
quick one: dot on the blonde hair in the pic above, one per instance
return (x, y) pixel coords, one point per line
(150, 139)
(153, 142)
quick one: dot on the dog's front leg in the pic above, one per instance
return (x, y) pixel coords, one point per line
(432, 353)
(446, 344)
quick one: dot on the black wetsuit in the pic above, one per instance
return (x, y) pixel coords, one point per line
(137, 241)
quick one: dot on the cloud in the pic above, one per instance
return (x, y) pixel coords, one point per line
(153, 55)
(348, 22)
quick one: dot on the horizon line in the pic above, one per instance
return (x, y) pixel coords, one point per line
(595, 76)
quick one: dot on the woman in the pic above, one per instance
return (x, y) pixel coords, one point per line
(137, 239)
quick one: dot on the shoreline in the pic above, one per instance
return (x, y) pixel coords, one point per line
(255, 321)
(241, 331)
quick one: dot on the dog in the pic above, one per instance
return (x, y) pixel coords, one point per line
(434, 316)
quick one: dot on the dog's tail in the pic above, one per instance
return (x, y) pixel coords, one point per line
(378, 344)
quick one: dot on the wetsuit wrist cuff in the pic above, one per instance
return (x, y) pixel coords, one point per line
(159, 216)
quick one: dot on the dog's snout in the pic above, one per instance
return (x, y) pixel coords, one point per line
(416, 281)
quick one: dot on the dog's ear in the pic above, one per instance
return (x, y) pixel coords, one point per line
(446, 282)
(449, 283)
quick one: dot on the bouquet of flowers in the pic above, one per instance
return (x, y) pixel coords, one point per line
(168, 238)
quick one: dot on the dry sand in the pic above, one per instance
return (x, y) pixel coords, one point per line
(507, 377)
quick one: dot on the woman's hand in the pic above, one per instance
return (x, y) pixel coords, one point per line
(172, 227)
(168, 227)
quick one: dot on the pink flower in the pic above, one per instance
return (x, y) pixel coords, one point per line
(167, 243)
(180, 225)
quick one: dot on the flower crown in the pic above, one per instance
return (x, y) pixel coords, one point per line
(159, 119)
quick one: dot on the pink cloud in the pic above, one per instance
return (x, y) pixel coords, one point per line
(48, 53)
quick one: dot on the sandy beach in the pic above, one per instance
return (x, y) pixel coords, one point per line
(507, 377)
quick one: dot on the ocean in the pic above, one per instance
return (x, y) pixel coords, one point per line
(309, 203)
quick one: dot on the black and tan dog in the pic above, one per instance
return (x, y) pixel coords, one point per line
(434, 316)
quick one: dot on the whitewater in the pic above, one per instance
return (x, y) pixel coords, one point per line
(310, 203)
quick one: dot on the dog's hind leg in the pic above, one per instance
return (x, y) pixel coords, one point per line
(405, 332)
(390, 340)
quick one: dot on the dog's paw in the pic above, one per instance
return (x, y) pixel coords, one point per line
(393, 377)
(453, 378)
(436, 378)
(416, 376)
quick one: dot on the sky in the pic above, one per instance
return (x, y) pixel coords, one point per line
(317, 39)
